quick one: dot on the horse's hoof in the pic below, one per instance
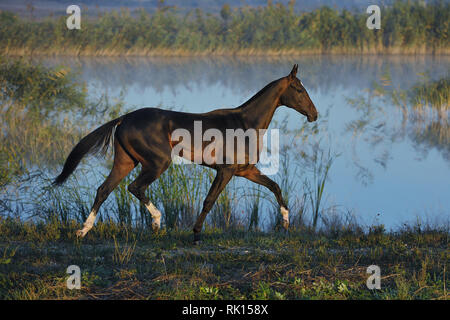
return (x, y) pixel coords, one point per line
(155, 227)
(80, 233)
(197, 239)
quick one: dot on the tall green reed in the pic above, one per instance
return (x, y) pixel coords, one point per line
(316, 188)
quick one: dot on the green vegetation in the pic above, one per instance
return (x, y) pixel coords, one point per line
(39, 89)
(39, 107)
(29, 96)
(118, 262)
(426, 96)
(407, 27)
(435, 94)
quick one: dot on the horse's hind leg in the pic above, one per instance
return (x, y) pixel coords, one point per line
(149, 174)
(123, 164)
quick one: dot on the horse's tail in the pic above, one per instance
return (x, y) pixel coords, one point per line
(97, 140)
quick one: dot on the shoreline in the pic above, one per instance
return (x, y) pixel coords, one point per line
(168, 52)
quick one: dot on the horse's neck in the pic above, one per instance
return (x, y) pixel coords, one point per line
(258, 111)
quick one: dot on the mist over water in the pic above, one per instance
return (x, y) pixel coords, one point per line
(389, 169)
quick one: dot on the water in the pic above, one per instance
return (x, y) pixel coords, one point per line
(389, 172)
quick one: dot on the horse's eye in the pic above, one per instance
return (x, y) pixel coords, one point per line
(297, 89)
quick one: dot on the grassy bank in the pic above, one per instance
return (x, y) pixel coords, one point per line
(222, 52)
(408, 27)
(123, 263)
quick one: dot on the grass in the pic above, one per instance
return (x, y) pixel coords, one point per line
(127, 263)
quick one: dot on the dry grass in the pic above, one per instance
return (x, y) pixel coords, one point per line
(248, 52)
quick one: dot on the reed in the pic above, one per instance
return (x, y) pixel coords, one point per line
(434, 94)
(276, 29)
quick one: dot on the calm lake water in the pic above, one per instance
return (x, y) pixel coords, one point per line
(390, 170)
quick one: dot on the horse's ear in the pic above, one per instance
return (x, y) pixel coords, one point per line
(293, 73)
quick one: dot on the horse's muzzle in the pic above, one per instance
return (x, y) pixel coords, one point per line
(312, 118)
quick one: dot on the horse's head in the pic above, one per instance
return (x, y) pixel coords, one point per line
(296, 97)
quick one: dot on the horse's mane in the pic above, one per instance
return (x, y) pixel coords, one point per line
(258, 94)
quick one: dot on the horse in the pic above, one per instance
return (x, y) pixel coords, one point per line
(145, 136)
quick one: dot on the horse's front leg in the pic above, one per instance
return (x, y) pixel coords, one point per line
(253, 174)
(222, 178)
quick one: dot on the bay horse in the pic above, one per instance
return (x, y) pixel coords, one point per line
(144, 136)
